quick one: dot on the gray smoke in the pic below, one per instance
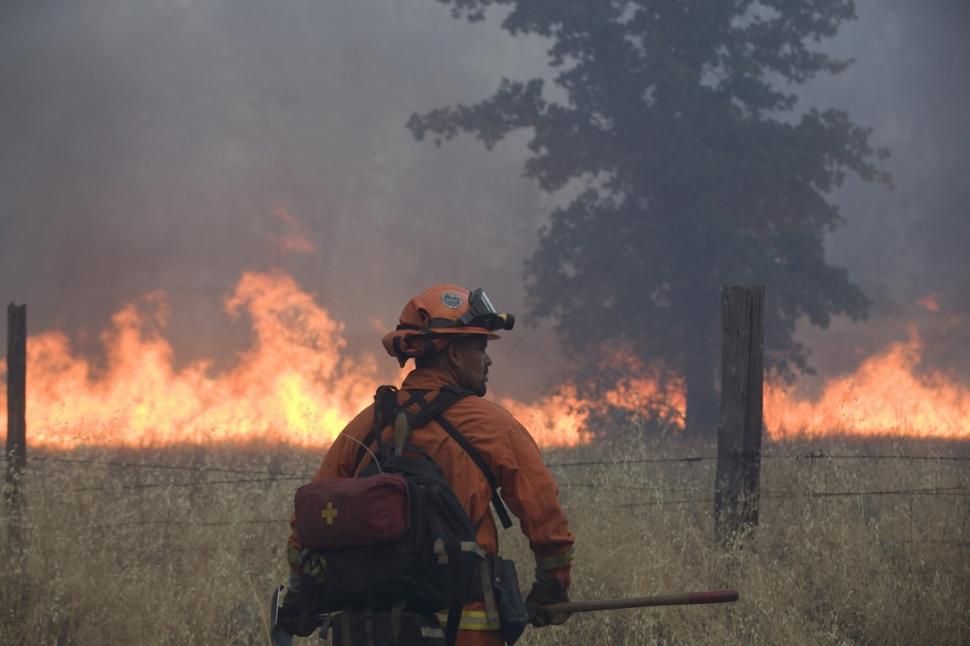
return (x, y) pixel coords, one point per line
(146, 144)
(909, 83)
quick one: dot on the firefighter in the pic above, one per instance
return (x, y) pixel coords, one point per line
(446, 330)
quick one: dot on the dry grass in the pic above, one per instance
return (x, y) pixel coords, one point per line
(119, 555)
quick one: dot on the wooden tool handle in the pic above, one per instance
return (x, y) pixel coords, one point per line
(687, 599)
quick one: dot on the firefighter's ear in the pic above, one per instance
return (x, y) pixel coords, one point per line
(456, 358)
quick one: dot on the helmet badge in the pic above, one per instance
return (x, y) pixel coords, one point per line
(451, 300)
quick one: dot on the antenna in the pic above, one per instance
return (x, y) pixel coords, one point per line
(363, 446)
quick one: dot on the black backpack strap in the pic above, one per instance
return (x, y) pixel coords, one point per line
(452, 624)
(435, 410)
(430, 410)
(384, 401)
(385, 405)
(503, 514)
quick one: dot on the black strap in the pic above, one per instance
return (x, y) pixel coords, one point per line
(453, 624)
(385, 399)
(503, 514)
(385, 405)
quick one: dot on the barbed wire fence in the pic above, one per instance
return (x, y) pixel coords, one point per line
(810, 455)
(680, 496)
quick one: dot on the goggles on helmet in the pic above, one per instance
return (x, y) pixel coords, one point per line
(481, 313)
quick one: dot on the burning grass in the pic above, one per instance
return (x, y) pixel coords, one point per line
(298, 383)
(135, 555)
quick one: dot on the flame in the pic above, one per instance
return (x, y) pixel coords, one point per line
(561, 418)
(930, 303)
(556, 420)
(886, 394)
(292, 385)
(297, 384)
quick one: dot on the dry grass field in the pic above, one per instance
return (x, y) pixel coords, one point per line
(118, 554)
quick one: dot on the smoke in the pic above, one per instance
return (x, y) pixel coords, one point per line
(907, 244)
(147, 145)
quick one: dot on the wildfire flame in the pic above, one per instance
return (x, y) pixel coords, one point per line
(296, 384)
(561, 418)
(885, 395)
(293, 384)
(930, 303)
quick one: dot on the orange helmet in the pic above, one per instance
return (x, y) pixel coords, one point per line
(430, 317)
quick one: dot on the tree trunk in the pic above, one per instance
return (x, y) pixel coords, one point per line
(701, 369)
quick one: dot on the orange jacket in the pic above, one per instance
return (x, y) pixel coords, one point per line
(527, 487)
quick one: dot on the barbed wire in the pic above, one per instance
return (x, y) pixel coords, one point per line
(935, 491)
(767, 456)
(290, 477)
(821, 455)
(268, 477)
(661, 503)
(812, 455)
(285, 479)
(767, 494)
(154, 465)
(633, 487)
(203, 523)
(204, 483)
(566, 484)
(584, 463)
(788, 495)
(48, 531)
(892, 541)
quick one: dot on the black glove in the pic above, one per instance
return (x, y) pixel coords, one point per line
(546, 590)
(293, 615)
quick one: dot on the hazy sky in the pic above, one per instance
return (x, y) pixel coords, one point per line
(146, 145)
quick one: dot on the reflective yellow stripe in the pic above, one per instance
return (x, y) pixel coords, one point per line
(470, 620)
(558, 560)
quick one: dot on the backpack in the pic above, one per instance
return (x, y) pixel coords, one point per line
(397, 545)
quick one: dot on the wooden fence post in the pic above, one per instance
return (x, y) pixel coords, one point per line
(16, 416)
(739, 430)
(14, 556)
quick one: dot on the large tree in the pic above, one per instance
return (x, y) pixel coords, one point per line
(686, 162)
